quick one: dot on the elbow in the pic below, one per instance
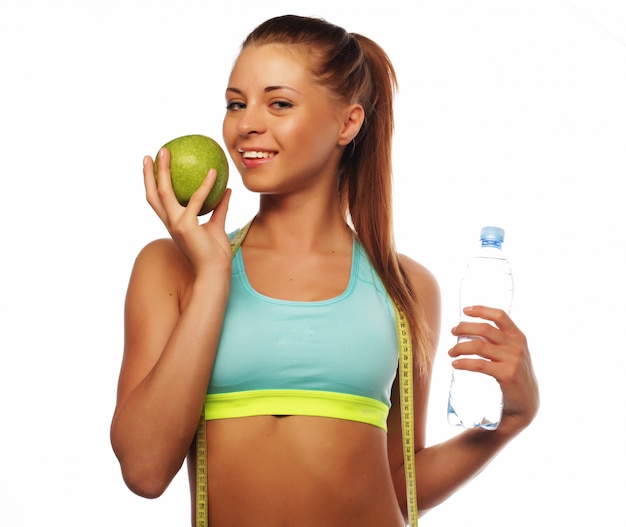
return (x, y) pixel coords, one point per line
(145, 487)
(146, 471)
(143, 476)
(145, 481)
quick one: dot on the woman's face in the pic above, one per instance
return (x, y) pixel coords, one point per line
(281, 128)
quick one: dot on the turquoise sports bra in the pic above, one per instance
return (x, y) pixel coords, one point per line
(333, 358)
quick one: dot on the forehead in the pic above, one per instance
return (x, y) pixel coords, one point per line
(272, 65)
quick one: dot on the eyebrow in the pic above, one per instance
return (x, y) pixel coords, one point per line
(268, 89)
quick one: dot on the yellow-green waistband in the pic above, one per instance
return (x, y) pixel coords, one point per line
(296, 402)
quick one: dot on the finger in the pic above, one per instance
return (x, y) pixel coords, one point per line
(504, 355)
(197, 199)
(477, 365)
(162, 165)
(475, 346)
(164, 182)
(482, 330)
(498, 316)
(148, 175)
(219, 214)
(150, 185)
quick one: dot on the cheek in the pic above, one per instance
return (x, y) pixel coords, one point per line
(309, 136)
(229, 135)
(227, 130)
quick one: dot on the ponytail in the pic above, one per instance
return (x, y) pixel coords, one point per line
(366, 189)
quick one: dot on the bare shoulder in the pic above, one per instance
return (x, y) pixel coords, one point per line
(426, 289)
(162, 251)
(423, 282)
(162, 264)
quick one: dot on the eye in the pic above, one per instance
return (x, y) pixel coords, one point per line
(233, 106)
(281, 105)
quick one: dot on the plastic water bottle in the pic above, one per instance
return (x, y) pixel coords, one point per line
(475, 399)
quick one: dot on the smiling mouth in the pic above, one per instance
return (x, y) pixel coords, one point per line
(255, 154)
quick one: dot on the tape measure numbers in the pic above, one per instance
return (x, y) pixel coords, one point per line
(405, 385)
(202, 494)
(405, 361)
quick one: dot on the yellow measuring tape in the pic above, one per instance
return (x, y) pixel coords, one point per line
(405, 358)
(405, 385)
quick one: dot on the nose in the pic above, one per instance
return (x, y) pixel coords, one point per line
(250, 120)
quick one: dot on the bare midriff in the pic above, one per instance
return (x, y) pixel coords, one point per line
(272, 471)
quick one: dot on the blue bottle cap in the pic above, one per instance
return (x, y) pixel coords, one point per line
(492, 234)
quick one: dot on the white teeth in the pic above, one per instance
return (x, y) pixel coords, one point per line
(249, 154)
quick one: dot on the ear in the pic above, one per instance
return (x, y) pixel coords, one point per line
(353, 120)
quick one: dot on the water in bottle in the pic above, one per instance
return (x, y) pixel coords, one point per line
(475, 399)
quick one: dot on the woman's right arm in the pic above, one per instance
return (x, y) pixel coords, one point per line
(173, 316)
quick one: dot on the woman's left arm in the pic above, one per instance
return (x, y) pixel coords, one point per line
(443, 468)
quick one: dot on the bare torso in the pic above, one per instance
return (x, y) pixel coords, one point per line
(297, 471)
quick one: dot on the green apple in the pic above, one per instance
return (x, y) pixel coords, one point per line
(191, 158)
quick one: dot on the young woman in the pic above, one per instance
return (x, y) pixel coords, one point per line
(290, 346)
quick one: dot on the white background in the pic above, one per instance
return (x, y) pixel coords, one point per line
(509, 112)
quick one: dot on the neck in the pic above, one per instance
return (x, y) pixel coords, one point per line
(300, 225)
